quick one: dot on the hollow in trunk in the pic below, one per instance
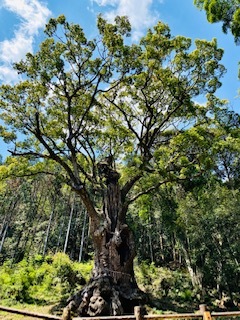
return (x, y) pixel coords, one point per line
(112, 289)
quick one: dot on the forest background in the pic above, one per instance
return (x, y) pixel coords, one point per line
(187, 232)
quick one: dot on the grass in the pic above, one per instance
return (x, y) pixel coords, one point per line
(28, 307)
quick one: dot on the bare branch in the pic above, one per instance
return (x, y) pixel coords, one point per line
(130, 127)
(128, 186)
(147, 191)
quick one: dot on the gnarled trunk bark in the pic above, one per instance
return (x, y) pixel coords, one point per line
(112, 289)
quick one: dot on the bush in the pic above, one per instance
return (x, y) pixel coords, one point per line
(163, 283)
(47, 279)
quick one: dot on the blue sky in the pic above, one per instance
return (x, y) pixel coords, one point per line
(22, 23)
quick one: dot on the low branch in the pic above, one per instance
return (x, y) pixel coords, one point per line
(147, 191)
(28, 154)
(76, 182)
(128, 185)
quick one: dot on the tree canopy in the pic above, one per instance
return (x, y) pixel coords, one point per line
(82, 100)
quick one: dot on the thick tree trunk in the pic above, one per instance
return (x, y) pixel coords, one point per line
(112, 289)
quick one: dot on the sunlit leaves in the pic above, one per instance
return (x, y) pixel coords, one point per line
(225, 11)
(81, 100)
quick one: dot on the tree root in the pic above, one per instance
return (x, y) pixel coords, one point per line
(103, 297)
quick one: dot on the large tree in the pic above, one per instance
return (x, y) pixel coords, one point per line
(117, 120)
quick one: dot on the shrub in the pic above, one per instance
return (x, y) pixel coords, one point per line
(41, 278)
(163, 283)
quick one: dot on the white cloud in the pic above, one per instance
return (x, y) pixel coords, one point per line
(15, 49)
(106, 2)
(138, 11)
(8, 74)
(32, 11)
(33, 15)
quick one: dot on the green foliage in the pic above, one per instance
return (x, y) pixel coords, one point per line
(214, 249)
(163, 283)
(225, 11)
(34, 213)
(109, 97)
(46, 279)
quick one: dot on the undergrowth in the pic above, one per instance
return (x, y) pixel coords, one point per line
(41, 279)
(48, 280)
(167, 289)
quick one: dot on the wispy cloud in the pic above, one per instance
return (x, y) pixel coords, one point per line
(33, 15)
(140, 13)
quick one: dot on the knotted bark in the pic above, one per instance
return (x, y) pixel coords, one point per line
(112, 289)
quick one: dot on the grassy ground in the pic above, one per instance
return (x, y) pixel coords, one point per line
(28, 307)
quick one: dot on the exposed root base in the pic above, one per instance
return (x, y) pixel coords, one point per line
(102, 297)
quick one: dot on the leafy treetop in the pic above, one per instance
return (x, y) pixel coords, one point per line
(81, 101)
